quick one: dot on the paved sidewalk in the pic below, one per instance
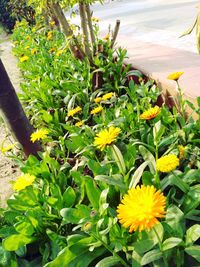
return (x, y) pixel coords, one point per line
(150, 31)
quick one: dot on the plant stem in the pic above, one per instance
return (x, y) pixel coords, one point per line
(157, 178)
(110, 250)
(160, 246)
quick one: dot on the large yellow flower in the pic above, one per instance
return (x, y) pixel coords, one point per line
(167, 163)
(175, 75)
(141, 207)
(150, 113)
(96, 110)
(39, 135)
(106, 137)
(74, 111)
(108, 96)
(23, 181)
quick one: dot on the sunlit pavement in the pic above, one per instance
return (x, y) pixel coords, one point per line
(157, 21)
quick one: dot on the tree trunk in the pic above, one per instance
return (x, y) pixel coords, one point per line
(14, 115)
(82, 9)
(89, 19)
(67, 29)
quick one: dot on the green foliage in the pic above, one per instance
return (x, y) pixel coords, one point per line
(68, 216)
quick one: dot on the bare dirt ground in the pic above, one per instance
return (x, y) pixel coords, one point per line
(8, 169)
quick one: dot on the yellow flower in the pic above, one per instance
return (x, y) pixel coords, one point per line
(23, 181)
(28, 37)
(74, 111)
(106, 137)
(141, 207)
(107, 96)
(59, 53)
(33, 29)
(175, 75)
(167, 163)
(24, 58)
(52, 23)
(49, 35)
(39, 135)
(7, 148)
(181, 151)
(98, 99)
(106, 37)
(33, 51)
(79, 123)
(52, 49)
(95, 19)
(27, 47)
(96, 110)
(16, 42)
(150, 113)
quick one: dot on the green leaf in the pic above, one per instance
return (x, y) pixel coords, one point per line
(171, 243)
(192, 234)
(158, 131)
(93, 193)
(108, 262)
(74, 215)
(137, 174)
(148, 156)
(151, 256)
(69, 197)
(24, 228)
(174, 218)
(117, 155)
(194, 251)
(14, 242)
(103, 205)
(111, 180)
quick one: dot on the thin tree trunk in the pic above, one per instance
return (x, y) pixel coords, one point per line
(82, 9)
(116, 30)
(14, 115)
(89, 19)
(66, 28)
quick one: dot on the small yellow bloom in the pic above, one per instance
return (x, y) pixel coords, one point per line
(28, 37)
(7, 148)
(27, 47)
(106, 137)
(167, 163)
(79, 123)
(181, 151)
(49, 35)
(23, 181)
(16, 42)
(24, 58)
(141, 207)
(33, 29)
(106, 37)
(95, 19)
(175, 75)
(96, 110)
(53, 49)
(74, 111)
(107, 96)
(52, 23)
(33, 51)
(59, 53)
(39, 135)
(98, 99)
(150, 113)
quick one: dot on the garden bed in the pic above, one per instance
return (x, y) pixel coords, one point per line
(117, 181)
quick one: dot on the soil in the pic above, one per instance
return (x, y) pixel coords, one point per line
(8, 169)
